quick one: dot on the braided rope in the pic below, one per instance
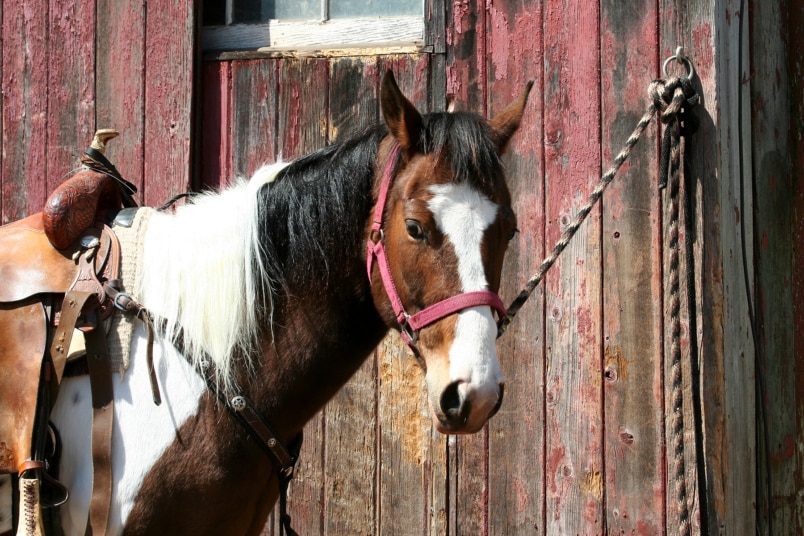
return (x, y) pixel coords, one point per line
(572, 228)
(674, 306)
(672, 97)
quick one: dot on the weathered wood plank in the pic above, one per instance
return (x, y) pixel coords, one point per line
(2, 148)
(255, 92)
(2, 114)
(412, 467)
(466, 87)
(574, 419)
(71, 86)
(303, 114)
(464, 79)
(169, 67)
(218, 135)
(120, 84)
(303, 106)
(24, 88)
(516, 434)
(350, 427)
(795, 21)
(710, 33)
(773, 194)
(634, 476)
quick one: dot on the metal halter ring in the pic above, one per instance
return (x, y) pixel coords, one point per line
(680, 57)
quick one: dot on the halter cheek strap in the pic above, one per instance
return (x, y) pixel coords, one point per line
(410, 325)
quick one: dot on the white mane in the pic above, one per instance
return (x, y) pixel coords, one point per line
(202, 273)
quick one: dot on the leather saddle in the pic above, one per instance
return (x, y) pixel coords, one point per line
(57, 270)
(35, 276)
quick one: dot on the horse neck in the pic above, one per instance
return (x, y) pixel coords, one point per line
(324, 321)
(321, 343)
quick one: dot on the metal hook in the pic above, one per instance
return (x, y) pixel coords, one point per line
(681, 57)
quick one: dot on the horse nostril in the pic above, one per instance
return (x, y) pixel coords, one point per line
(451, 400)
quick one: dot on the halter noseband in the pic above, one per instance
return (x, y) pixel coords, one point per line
(410, 325)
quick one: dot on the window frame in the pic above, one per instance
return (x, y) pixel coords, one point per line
(277, 35)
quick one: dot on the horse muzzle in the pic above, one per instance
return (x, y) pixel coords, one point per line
(463, 408)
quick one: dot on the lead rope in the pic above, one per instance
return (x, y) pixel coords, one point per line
(678, 125)
(672, 97)
(572, 228)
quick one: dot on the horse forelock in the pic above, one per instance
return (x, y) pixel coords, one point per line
(204, 277)
(464, 141)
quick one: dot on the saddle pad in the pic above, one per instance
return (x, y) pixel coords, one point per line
(131, 245)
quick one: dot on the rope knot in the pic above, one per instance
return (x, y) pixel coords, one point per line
(673, 97)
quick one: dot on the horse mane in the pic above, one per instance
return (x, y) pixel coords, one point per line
(213, 271)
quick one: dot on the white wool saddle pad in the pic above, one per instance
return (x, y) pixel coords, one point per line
(120, 326)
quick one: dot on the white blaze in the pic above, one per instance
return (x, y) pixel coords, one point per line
(463, 215)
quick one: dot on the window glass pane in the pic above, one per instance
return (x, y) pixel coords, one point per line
(339, 9)
(214, 13)
(251, 11)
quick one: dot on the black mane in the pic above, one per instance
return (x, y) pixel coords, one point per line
(315, 212)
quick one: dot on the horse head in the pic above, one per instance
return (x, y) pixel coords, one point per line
(442, 222)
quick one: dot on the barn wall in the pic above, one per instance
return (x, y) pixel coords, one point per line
(61, 80)
(583, 444)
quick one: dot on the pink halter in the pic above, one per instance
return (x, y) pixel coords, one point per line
(410, 325)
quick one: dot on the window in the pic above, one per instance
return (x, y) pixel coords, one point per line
(287, 24)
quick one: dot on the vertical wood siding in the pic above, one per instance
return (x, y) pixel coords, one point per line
(62, 79)
(582, 443)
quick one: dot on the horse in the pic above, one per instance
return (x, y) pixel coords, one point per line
(277, 289)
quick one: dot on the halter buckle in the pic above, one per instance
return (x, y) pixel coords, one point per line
(409, 335)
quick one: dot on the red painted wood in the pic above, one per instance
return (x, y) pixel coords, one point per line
(2, 151)
(634, 476)
(466, 90)
(255, 91)
(351, 500)
(216, 143)
(70, 85)
(412, 470)
(24, 88)
(516, 434)
(303, 110)
(465, 55)
(574, 397)
(169, 68)
(120, 84)
(303, 107)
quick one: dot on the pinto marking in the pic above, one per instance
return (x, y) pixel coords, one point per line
(141, 434)
(463, 215)
(223, 318)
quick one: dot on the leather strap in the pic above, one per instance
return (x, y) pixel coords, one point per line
(72, 304)
(126, 303)
(100, 378)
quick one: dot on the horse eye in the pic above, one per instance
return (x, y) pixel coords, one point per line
(415, 229)
(512, 233)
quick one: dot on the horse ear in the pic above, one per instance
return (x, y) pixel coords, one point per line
(504, 124)
(401, 117)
